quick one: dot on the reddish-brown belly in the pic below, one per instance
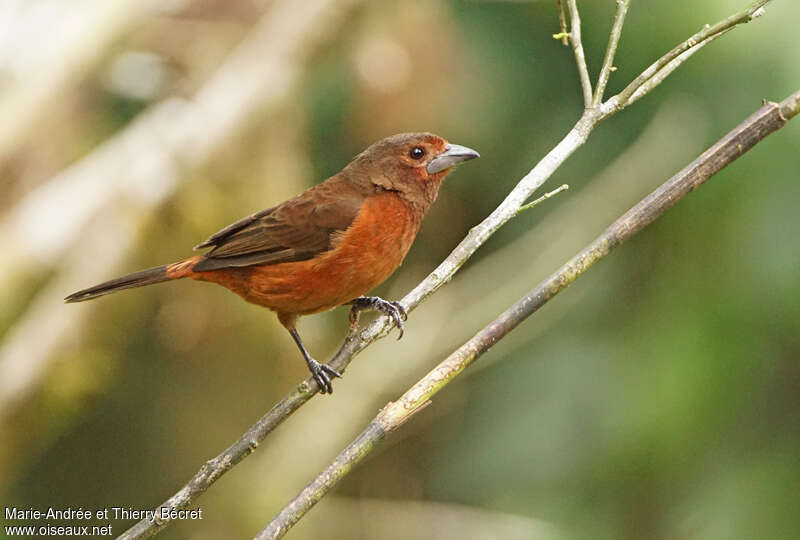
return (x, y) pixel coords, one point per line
(370, 250)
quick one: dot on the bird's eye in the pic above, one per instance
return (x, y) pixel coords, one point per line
(416, 153)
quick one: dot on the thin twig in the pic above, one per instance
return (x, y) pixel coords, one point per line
(548, 195)
(671, 66)
(359, 340)
(577, 48)
(765, 121)
(707, 32)
(611, 50)
(562, 21)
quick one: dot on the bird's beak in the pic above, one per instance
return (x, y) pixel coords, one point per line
(452, 155)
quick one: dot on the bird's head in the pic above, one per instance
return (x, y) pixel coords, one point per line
(412, 164)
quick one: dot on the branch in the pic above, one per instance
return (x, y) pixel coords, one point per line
(765, 121)
(358, 340)
(562, 21)
(577, 48)
(707, 33)
(671, 66)
(611, 50)
(537, 202)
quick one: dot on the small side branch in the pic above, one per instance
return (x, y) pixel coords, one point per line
(577, 48)
(548, 195)
(611, 51)
(765, 121)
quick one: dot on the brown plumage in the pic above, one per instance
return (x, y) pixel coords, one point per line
(327, 246)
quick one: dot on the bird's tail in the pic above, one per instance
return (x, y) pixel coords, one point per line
(150, 276)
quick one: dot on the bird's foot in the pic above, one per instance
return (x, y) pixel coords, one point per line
(322, 373)
(394, 310)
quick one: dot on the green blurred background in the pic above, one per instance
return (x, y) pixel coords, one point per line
(658, 397)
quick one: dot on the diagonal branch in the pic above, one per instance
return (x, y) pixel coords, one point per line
(577, 48)
(611, 50)
(668, 68)
(765, 121)
(708, 32)
(357, 341)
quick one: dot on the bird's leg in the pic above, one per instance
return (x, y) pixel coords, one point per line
(394, 310)
(321, 372)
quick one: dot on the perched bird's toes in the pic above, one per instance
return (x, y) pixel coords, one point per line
(397, 312)
(401, 309)
(324, 382)
(330, 371)
(394, 310)
(398, 322)
(322, 373)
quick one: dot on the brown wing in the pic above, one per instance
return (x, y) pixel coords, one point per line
(295, 230)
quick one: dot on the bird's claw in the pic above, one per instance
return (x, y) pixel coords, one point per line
(322, 373)
(398, 314)
(393, 310)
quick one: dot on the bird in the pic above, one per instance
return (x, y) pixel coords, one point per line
(326, 247)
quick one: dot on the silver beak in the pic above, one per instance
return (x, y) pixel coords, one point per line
(452, 155)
